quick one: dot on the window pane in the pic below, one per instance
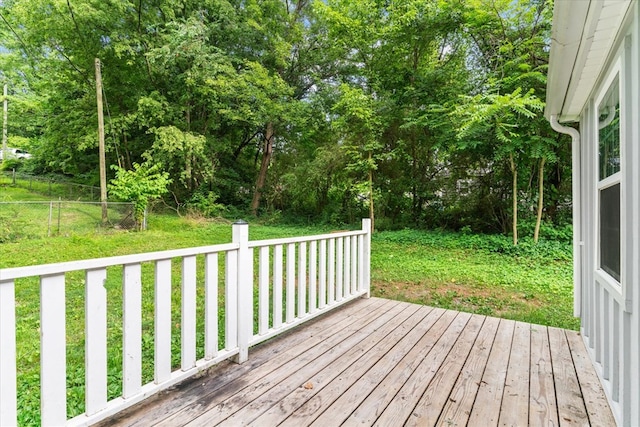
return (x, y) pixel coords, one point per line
(610, 230)
(609, 131)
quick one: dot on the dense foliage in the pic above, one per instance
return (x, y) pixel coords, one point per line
(422, 113)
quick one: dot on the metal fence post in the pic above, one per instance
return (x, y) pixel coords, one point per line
(144, 220)
(244, 268)
(59, 208)
(50, 216)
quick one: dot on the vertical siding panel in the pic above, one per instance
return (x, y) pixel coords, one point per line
(131, 330)
(53, 350)
(302, 279)
(277, 286)
(210, 306)
(231, 300)
(291, 282)
(322, 279)
(598, 323)
(313, 276)
(162, 323)
(188, 313)
(263, 290)
(95, 341)
(616, 353)
(8, 390)
(331, 271)
(607, 326)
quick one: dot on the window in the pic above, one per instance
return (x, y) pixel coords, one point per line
(609, 156)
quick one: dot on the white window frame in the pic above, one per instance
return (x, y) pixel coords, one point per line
(616, 71)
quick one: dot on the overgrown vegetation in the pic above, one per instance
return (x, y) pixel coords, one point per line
(420, 113)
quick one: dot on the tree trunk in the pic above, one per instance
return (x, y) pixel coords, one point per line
(101, 148)
(514, 224)
(371, 207)
(536, 233)
(262, 176)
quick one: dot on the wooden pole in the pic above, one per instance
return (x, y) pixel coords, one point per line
(103, 167)
(4, 123)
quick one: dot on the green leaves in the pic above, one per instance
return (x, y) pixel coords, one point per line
(502, 113)
(139, 185)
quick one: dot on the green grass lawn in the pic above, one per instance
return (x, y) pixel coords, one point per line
(480, 274)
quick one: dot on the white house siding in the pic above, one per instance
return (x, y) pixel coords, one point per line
(611, 311)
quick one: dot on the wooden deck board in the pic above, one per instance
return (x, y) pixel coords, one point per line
(381, 362)
(514, 410)
(460, 404)
(542, 397)
(571, 408)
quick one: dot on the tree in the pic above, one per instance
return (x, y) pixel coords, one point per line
(502, 115)
(139, 185)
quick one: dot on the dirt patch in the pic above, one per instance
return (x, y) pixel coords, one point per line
(458, 296)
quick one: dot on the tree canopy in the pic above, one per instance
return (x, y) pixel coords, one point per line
(421, 113)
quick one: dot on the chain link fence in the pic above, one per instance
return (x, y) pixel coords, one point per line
(50, 187)
(29, 220)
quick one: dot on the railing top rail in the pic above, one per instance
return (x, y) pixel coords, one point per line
(284, 241)
(7, 274)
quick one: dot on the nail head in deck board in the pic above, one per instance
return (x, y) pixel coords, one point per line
(372, 346)
(274, 354)
(542, 394)
(595, 401)
(404, 403)
(515, 398)
(460, 402)
(437, 394)
(571, 407)
(233, 398)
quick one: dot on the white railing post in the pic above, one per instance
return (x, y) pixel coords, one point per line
(366, 251)
(162, 323)
(188, 313)
(53, 350)
(244, 274)
(95, 341)
(131, 330)
(8, 391)
(211, 306)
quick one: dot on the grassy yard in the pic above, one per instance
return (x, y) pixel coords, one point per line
(481, 274)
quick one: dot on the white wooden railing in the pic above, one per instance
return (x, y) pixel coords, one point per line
(298, 279)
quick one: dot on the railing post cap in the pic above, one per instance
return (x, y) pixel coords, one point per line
(240, 222)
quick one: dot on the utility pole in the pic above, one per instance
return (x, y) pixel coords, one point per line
(103, 166)
(4, 124)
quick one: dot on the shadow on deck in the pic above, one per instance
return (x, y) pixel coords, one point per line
(389, 363)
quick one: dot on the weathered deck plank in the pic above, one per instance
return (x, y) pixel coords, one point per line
(593, 396)
(380, 362)
(460, 404)
(571, 408)
(542, 397)
(486, 409)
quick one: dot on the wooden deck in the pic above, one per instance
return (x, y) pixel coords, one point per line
(389, 363)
